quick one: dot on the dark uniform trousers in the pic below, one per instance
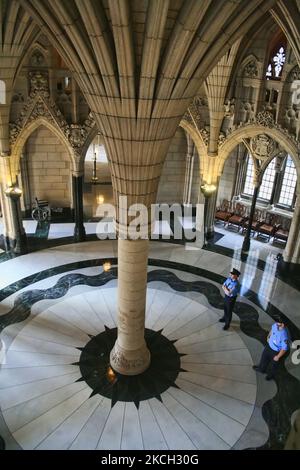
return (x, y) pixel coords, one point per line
(229, 303)
(266, 359)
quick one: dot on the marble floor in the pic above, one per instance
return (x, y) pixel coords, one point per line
(55, 301)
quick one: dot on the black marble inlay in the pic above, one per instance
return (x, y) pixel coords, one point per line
(2, 443)
(160, 375)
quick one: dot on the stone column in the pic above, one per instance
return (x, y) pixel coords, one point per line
(291, 252)
(188, 180)
(246, 242)
(77, 187)
(130, 355)
(27, 201)
(18, 244)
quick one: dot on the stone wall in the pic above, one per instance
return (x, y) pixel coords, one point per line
(171, 184)
(227, 178)
(49, 166)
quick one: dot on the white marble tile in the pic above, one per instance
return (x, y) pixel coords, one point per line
(15, 359)
(235, 356)
(113, 427)
(30, 435)
(238, 390)
(203, 320)
(63, 436)
(231, 407)
(91, 432)
(227, 343)
(22, 414)
(233, 372)
(131, 434)
(212, 332)
(11, 377)
(200, 434)
(12, 396)
(153, 438)
(98, 303)
(61, 230)
(182, 315)
(174, 308)
(29, 344)
(213, 419)
(172, 431)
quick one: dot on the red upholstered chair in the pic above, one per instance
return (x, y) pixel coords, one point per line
(238, 217)
(269, 226)
(223, 212)
(257, 220)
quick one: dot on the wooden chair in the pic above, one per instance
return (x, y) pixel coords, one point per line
(269, 226)
(282, 232)
(239, 216)
(223, 212)
(257, 220)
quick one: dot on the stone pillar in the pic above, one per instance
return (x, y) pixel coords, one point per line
(77, 188)
(246, 242)
(26, 193)
(130, 355)
(188, 180)
(18, 244)
(291, 252)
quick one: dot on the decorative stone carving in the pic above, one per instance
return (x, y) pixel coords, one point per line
(37, 59)
(250, 69)
(262, 146)
(18, 98)
(39, 83)
(295, 74)
(248, 113)
(222, 138)
(38, 105)
(265, 118)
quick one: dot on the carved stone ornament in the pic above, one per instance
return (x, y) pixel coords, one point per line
(265, 118)
(250, 69)
(39, 83)
(262, 146)
(295, 74)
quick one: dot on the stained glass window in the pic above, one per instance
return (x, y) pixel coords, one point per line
(276, 64)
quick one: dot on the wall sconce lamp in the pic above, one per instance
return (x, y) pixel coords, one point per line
(106, 266)
(208, 189)
(13, 191)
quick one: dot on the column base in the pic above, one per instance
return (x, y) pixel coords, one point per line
(79, 233)
(129, 362)
(246, 246)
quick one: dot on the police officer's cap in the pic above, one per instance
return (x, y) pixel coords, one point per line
(235, 271)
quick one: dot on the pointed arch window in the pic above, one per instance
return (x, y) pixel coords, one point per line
(289, 182)
(276, 63)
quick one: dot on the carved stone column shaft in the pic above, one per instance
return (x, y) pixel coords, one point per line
(130, 355)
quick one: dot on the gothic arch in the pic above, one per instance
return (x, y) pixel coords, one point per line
(28, 130)
(251, 130)
(198, 141)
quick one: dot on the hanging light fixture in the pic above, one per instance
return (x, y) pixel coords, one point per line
(94, 178)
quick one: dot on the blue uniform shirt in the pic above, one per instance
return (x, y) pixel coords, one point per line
(279, 339)
(232, 285)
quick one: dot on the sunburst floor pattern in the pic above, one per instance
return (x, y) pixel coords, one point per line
(204, 399)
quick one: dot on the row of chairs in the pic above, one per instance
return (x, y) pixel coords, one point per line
(265, 224)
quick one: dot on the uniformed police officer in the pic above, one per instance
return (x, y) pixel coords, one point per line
(277, 346)
(231, 287)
